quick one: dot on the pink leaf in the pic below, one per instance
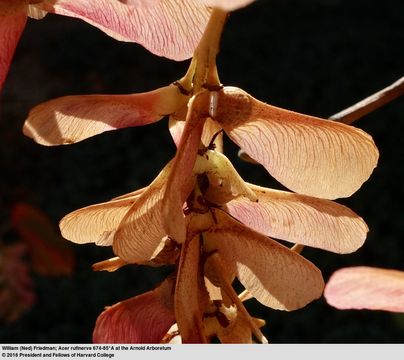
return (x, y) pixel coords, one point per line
(275, 275)
(308, 155)
(12, 22)
(366, 288)
(70, 119)
(301, 219)
(143, 319)
(170, 28)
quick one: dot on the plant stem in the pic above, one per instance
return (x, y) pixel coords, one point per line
(205, 54)
(187, 80)
(371, 103)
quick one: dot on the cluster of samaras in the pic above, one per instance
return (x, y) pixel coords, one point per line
(198, 213)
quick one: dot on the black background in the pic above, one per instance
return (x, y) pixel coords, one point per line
(311, 56)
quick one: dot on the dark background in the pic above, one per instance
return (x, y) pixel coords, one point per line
(311, 56)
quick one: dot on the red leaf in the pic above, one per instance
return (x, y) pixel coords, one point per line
(143, 319)
(50, 255)
(16, 294)
(13, 17)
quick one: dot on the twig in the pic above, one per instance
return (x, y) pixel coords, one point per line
(371, 103)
